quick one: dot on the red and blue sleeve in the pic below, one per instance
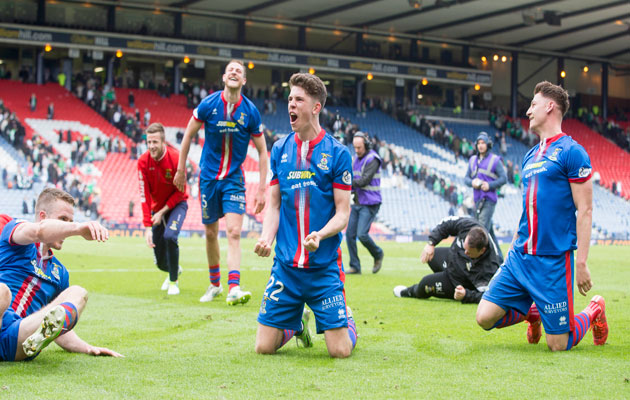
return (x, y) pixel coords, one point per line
(255, 124)
(578, 164)
(342, 175)
(273, 164)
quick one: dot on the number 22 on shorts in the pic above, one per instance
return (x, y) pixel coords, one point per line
(280, 287)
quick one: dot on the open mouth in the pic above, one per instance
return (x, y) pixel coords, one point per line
(293, 117)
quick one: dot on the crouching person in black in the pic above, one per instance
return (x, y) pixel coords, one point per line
(462, 271)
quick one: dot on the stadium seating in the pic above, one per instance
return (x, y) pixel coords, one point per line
(609, 160)
(10, 159)
(67, 106)
(171, 111)
(611, 215)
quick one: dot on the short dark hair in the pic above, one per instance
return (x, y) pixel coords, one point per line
(554, 92)
(311, 84)
(477, 238)
(156, 127)
(48, 196)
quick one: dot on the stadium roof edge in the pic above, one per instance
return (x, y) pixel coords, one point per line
(348, 29)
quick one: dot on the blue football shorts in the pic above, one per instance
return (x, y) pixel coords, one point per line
(9, 335)
(221, 197)
(545, 280)
(290, 288)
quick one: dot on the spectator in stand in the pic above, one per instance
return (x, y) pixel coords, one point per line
(33, 102)
(510, 171)
(147, 117)
(51, 111)
(132, 100)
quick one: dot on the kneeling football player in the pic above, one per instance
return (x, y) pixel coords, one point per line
(37, 303)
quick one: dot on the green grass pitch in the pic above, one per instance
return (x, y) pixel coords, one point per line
(178, 348)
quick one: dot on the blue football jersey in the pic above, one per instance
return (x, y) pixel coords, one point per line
(547, 225)
(227, 133)
(34, 280)
(307, 173)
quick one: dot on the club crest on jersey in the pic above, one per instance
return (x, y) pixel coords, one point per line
(323, 163)
(468, 265)
(241, 120)
(55, 271)
(554, 156)
(169, 174)
(173, 225)
(300, 175)
(346, 178)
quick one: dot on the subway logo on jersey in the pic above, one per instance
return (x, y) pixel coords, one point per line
(229, 124)
(300, 175)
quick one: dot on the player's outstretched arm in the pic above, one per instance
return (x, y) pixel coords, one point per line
(180, 176)
(270, 223)
(53, 230)
(582, 193)
(336, 223)
(263, 167)
(72, 343)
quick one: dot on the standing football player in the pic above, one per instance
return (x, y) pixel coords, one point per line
(230, 120)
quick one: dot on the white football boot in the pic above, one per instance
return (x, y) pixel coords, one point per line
(237, 296)
(211, 293)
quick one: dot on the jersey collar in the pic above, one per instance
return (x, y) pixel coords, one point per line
(238, 103)
(313, 142)
(554, 138)
(41, 256)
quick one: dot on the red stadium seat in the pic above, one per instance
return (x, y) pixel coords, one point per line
(612, 163)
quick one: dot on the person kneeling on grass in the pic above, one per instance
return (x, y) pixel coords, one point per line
(556, 220)
(462, 271)
(36, 302)
(308, 208)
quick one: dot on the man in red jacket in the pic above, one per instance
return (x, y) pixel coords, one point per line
(163, 206)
